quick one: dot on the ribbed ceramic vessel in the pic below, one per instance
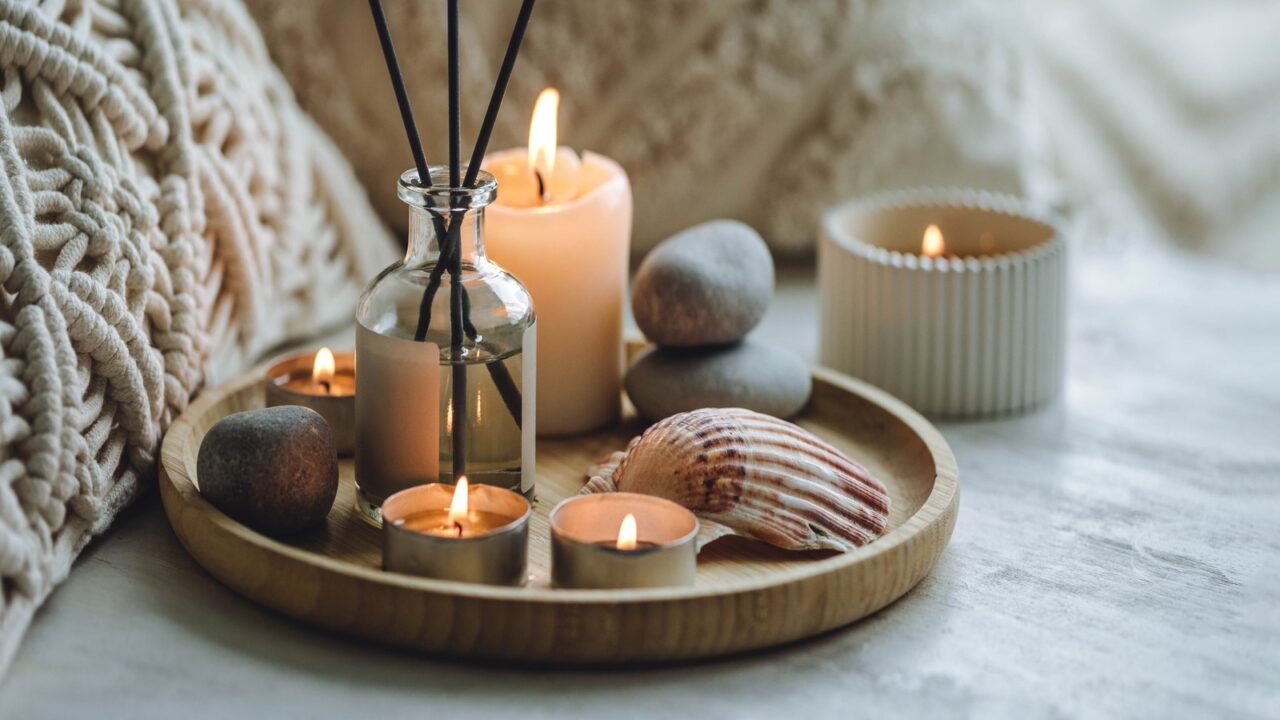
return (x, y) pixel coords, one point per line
(977, 331)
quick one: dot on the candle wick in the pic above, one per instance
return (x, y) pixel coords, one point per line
(543, 191)
(324, 384)
(457, 529)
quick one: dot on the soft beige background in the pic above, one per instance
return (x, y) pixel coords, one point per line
(1164, 117)
(766, 111)
(1153, 117)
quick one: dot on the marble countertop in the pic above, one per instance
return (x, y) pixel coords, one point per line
(1116, 554)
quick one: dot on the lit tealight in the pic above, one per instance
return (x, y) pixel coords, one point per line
(933, 244)
(457, 532)
(595, 542)
(324, 381)
(458, 506)
(322, 369)
(627, 533)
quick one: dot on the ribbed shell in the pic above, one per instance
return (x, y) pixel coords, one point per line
(756, 476)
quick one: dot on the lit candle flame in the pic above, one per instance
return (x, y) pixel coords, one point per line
(627, 533)
(932, 245)
(542, 139)
(459, 506)
(322, 369)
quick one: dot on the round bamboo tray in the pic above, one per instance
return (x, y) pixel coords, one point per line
(746, 596)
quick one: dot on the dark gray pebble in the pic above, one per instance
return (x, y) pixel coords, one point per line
(273, 469)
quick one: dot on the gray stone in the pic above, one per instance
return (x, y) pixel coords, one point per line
(707, 285)
(666, 381)
(273, 469)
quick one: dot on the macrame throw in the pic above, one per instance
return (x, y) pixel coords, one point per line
(167, 214)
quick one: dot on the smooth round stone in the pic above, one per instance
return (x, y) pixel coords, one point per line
(274, 469)
(666, 381)
(707, 285)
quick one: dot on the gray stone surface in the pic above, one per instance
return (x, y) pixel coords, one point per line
(750, 374)
(706, 285)
(1115, 556)
(274, 469)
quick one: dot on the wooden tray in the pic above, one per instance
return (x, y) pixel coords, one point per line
(747, 595)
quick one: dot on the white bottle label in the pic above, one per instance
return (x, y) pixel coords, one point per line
(397, 412)
(529, 408)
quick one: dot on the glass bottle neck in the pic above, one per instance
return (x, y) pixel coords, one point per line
(428, 229)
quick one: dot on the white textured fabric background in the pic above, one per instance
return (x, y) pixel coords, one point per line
(1164, 117)
(167, 214)
(767, 111)
(1154, 117)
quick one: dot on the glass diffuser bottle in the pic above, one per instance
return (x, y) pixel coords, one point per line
(445, 369)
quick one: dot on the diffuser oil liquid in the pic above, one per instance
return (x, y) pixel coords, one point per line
(406, 418)
(493, 418)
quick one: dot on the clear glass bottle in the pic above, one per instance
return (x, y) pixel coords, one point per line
(423, 392)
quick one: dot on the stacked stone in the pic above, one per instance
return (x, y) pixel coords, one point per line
(696, 296)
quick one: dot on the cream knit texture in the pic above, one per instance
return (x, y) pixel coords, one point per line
(167, 214)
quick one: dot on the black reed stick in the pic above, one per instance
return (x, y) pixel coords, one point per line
(449, 245)
(459, 369)
(419, 157)
(481, 146)
(402, 95)
(455, 111)
(501, 376)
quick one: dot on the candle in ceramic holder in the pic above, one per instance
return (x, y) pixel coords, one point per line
(477, 534)
(323, 381)
(562, 224)
(622, 540)
(952, 300)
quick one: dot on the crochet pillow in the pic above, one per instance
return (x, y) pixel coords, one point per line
(769, 112)
(167, 213)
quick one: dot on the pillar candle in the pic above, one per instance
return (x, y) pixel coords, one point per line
(569, 245)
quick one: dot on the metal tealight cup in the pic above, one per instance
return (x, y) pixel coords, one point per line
(337, 410)
(498, 556)
(584, 533)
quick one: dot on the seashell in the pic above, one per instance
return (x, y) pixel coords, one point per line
(754, 475)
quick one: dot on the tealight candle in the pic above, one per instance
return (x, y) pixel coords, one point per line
(562, 224)
(458, 532)
(622, 540)
(952, 300)
(323, 381)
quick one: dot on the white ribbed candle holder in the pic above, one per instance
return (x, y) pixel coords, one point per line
(977, 331)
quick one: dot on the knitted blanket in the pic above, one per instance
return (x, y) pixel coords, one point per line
(167, 213)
